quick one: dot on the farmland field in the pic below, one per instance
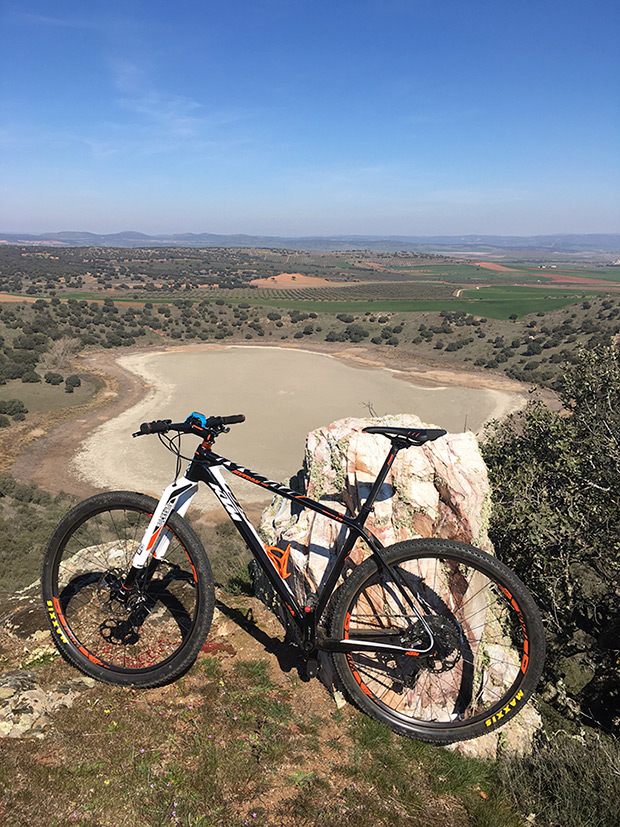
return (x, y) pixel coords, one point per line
(496, 302)
(369, 291)
(553, 273)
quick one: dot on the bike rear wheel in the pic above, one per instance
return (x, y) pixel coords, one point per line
(489, 644)
(155, 635)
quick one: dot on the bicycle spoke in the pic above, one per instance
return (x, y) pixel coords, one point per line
(94, 560)
(477, 648)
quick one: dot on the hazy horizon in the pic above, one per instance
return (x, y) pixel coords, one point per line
(297, 118)
(128, 232)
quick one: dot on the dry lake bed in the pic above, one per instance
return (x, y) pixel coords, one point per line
(284, 393)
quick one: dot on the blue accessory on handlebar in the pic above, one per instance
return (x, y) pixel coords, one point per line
(196, 418)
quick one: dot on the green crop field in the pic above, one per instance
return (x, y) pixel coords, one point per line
(548, 274)
(505, 301)
(500, 308)
(494, 302)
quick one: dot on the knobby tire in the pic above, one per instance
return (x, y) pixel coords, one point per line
(153, 638)
(489, 640)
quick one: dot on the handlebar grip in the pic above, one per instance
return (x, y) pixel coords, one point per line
(160, 426)
(232, 420)
(196, 423)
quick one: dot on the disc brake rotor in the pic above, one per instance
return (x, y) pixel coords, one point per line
(446, 651)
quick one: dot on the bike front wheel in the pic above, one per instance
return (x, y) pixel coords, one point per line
(154, 635)
(488, 644)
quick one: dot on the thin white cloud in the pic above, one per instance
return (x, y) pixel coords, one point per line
(127, 76)
(162, 121)
(15, 15)
(172, 116)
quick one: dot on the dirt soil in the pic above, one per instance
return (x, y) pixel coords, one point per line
(286, 280)
(42, 455)
(9, 297)
(490, 265)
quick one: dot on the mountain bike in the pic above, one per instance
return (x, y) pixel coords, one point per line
(434, 637)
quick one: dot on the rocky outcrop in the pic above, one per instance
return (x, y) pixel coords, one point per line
(26, 708)
(27, 705)
(438, 490)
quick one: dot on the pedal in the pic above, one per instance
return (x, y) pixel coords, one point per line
(312, 668)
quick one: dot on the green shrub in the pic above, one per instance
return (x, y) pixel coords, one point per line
(73, 381)
(356, 333)
(12, 407)
(31, 377)
(556, 522)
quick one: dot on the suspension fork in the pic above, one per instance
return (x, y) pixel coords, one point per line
(175, 497)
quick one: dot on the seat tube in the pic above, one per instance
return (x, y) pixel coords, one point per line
(374, 491)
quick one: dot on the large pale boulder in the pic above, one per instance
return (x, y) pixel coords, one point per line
(438, 490)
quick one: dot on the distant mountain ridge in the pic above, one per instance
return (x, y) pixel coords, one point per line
(569, 243)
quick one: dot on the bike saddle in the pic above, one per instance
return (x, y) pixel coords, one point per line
(406, 436)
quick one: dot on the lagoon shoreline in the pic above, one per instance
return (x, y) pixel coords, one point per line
(52, 459)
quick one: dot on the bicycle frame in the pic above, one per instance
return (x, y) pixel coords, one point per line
(206, 466)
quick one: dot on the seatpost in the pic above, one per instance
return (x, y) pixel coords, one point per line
(365, 510)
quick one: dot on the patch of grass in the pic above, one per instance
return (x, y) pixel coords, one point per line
(400, 768)
(571, 781)
(28, 515)
(256, 672)
(228, 555)
(312, 799)
(41, 397)
(302, 779)
(39, 660)
(211, 667)
(240, 583)
(233, 744)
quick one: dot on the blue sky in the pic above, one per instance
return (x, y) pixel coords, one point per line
(304, 117)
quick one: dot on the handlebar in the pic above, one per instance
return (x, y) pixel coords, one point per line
(196, 423)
